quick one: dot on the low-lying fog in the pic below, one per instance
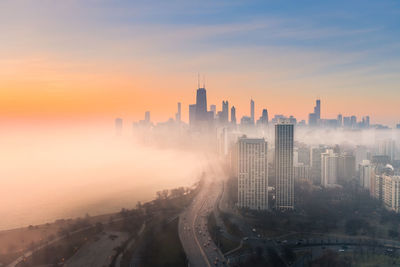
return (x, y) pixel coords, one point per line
(58, 172)
(47, 173)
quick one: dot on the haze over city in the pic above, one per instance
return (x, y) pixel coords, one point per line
(199, 133)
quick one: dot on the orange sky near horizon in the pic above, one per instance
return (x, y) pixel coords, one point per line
(52, 89)
(104, 96)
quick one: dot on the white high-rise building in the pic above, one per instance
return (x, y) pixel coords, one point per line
(252, 173)
(391, 192)
(387, 147)
(329, 168)
(366, 173)
(284, 140)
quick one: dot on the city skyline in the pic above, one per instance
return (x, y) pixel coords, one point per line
(199, 133)
(129, 59)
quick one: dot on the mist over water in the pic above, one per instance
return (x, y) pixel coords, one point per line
(65, 172)
(53, 172)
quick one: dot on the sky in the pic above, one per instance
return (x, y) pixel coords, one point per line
(94, 60)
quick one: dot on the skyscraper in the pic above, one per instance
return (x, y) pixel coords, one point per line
(201, 104)
(316, 164)
(340, 120)
(252, 173)
(252, 110)
(178, 114)
(284, 134)
(346, 167)
(366, 174)
(264, 118)
(192, 114)
(387, 147)
(314, 118)
(233, 115)
(147, 116)
(329, 168)
(213, 109)
(118, 126)
(225, 112)
(317, 109)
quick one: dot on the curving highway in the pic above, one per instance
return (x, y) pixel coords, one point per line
(193, 232)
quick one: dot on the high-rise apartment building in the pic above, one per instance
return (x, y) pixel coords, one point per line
(329, 168)
(387, 147)
(252, 173)
(391, 192)
(315, 160)
(284, 140)
(366, 174)
(346, 167)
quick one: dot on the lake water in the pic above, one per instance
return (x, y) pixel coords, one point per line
(55, 173)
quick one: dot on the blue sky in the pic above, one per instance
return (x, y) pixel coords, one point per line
(270, 49)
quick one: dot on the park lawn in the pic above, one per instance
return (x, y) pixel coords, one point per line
(165, 248)
(373, 260)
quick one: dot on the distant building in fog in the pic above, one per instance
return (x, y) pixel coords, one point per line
(316, 163)
(252, 173)
(233, 115)
(147, 117)
(284, 141)
(118, 126)
(346, 167)
(178, 115)
(192, 115)
(263, 121)
(366, 174)
(315, 117)
(252, 111)
(213, 109)
(387, 147)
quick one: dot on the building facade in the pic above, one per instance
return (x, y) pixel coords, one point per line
(329, 168)
(284, 140)
(252, 173)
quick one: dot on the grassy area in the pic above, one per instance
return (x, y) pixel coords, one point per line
(59, 252)
(375, 260)
(355, 259)
(162, 246)
(339, 211)
(232, 228)
(224, 244)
